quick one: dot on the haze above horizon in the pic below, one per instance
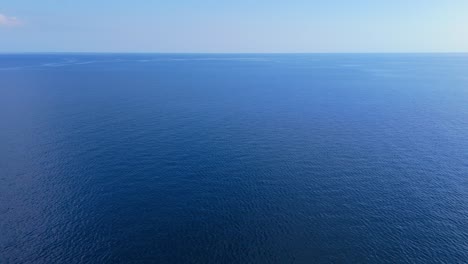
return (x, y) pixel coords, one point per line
(209, 26)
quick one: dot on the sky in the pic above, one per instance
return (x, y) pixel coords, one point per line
(217, 26)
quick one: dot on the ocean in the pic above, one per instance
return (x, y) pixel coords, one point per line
(233, 158)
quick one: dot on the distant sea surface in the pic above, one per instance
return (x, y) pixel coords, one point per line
(245, 158)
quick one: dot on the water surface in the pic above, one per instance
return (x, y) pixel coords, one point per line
(147, 158)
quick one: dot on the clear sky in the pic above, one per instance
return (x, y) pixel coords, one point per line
(234, 26)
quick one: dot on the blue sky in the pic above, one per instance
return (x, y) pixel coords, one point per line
(234, 26)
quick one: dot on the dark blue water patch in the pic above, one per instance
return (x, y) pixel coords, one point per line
(248, 158)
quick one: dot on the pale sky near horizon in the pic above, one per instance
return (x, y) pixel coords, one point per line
(234, 26)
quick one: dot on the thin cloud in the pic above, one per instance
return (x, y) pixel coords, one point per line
(9, 21)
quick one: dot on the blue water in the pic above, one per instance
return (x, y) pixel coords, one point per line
(147, 158)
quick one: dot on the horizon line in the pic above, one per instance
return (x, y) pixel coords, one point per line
(225, 53)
